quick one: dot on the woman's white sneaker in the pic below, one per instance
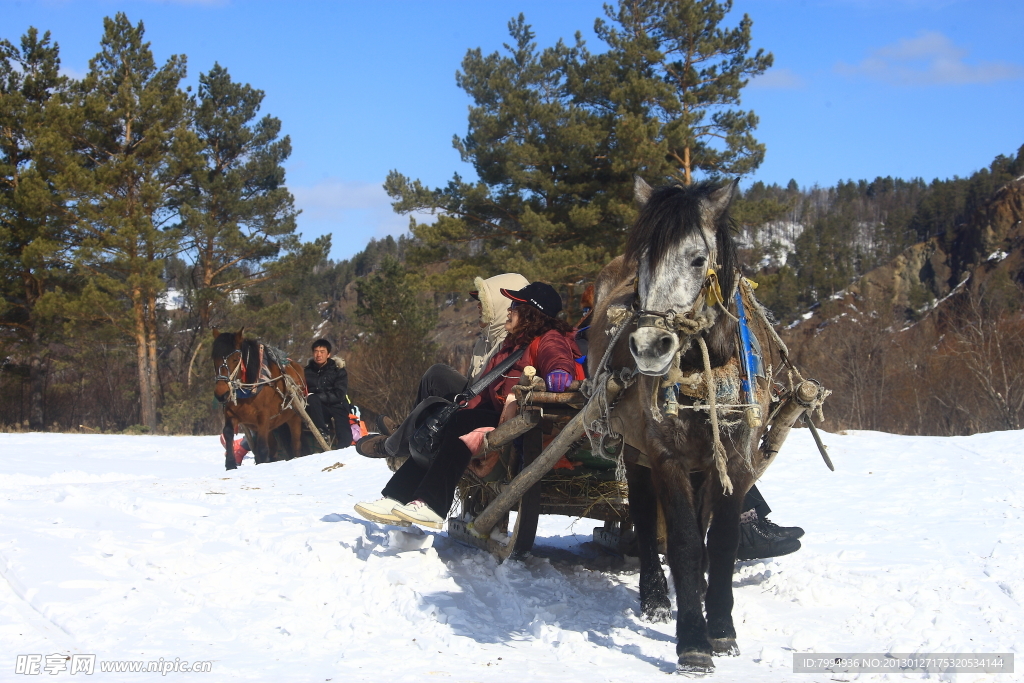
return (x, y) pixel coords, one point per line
(381, 511)
(420, 513)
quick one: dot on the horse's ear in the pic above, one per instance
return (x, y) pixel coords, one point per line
(240, 336)
(720, 198)
(641, 191)
(216, 333)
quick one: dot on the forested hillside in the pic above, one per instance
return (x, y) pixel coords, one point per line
(136, 217)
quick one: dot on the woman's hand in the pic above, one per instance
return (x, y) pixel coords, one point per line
(510, 409)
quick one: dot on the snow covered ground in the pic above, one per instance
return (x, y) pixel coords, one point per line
(138, 547)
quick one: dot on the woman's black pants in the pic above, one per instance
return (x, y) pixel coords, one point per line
(755, 501)
(435, 485)
(438, 382)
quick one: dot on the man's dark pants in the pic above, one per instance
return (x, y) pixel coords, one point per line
(320, 412)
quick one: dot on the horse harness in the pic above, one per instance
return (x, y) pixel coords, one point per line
(737, 373)
(238, 389)
(736, 377)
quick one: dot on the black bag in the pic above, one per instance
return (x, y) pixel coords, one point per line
(425, 443)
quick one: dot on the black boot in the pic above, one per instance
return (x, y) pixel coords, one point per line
(758, 541)
(385, 425)
(783, 531)
(372, 446)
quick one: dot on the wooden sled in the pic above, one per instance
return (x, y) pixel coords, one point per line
(546, 468)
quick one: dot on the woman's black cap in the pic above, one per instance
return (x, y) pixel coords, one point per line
(540, 295)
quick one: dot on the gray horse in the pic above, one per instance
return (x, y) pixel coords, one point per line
(665, 320)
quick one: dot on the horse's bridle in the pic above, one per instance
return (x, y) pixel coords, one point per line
(671, 321)
(229, 376)
(224, 366)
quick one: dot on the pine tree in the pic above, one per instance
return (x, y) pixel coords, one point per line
(389, 308)
(556, 135)
(284, 309)
(33, 220)
(673, 77)
(543, 186)
(236, 212)
(393, 350)
(135, 149)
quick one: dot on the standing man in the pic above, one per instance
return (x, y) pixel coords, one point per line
(327, 380)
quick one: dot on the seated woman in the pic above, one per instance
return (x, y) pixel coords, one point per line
(443, 381)
(423, 496)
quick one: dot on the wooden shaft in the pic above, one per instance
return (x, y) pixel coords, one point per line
(786, 417)
(297, 404)
(517, 426)
(568, 397)
(506, 500)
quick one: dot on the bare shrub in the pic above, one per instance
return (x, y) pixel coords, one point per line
(384, 376)
(987, 346)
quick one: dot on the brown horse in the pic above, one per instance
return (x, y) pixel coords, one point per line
(255, 397)
(665, 322)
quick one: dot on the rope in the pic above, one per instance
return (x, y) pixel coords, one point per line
(599, 428)
(718, 450)
(603, 370)
(762, 314)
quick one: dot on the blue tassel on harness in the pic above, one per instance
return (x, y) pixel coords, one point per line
(750, 360)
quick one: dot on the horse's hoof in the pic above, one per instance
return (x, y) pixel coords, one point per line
(656, 615)
(695, 663)
(230, 466)
(725, 647)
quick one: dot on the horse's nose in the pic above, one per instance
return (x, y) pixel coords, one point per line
(653, 350)
(656, 348)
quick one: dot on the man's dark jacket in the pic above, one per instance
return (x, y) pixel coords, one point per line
(329, 380)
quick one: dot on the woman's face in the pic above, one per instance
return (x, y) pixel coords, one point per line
(512, 320)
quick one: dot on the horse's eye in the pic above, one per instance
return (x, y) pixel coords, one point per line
(699, 262)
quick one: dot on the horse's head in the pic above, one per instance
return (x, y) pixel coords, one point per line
(680, 234)
(228, 361)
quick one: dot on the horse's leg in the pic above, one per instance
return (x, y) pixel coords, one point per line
(685, 548)
(295, 427)
(655, 604)
(271, 445)
(261, 451)
(723, 539)
(229, 442)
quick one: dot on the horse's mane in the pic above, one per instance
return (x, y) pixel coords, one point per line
(672, 213)
(250, 349)
(223, 344)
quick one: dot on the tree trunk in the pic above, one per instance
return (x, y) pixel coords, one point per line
(153, 322)
(147, 404)
(36, 375)
(203, 306)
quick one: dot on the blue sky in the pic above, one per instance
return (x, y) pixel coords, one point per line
(860, 88)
